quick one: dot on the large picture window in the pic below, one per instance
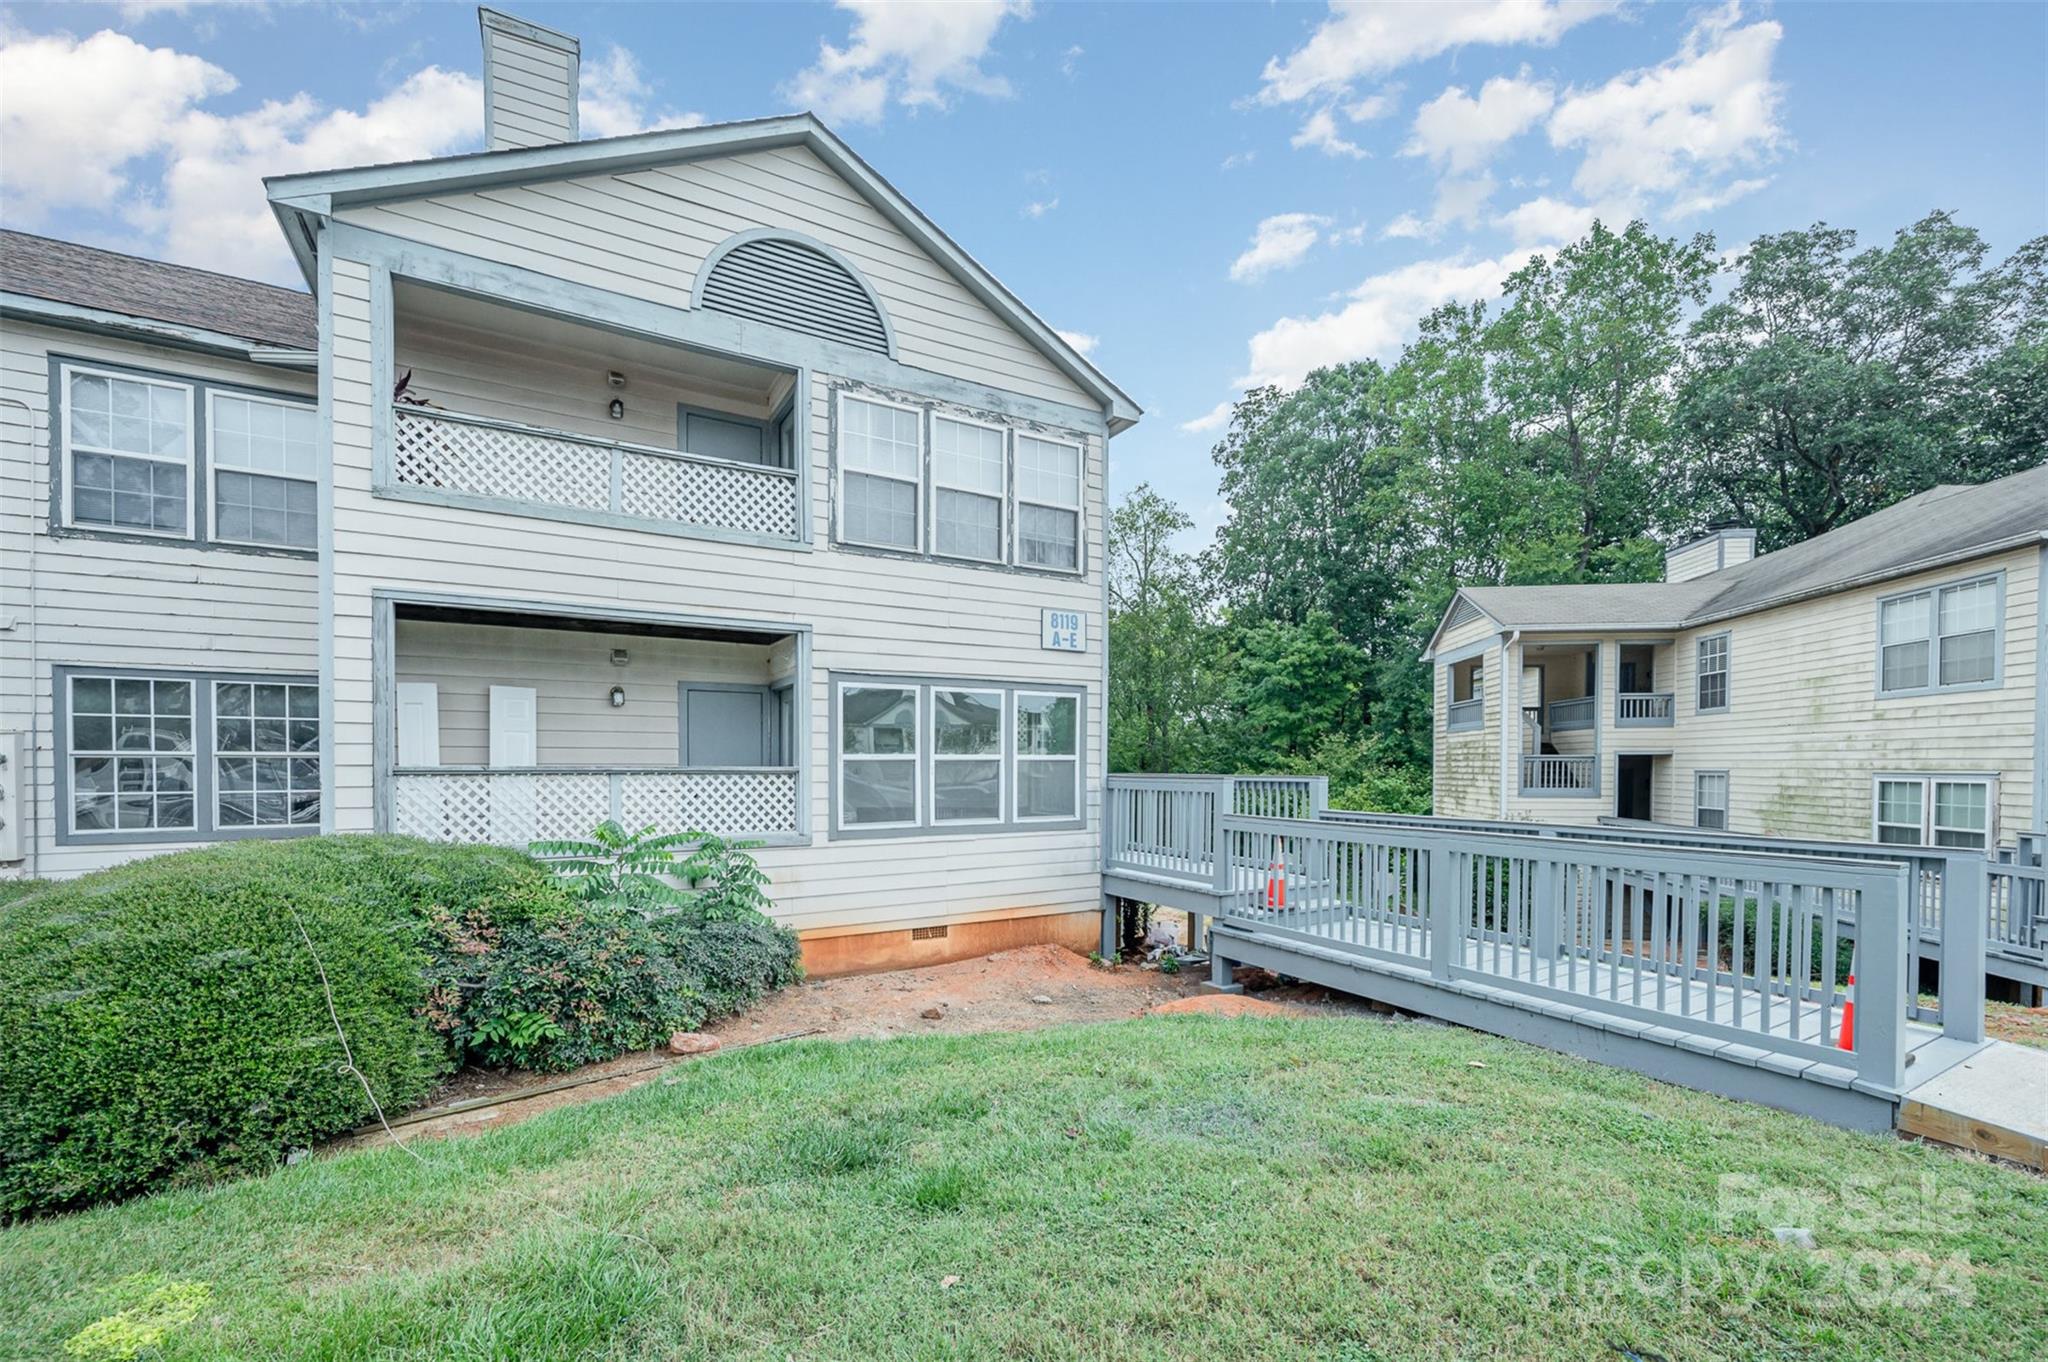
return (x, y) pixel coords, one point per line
(1939, 639)
(881, 458)
(128, 452)
(967, 489)
(267, 746)
(939, 756)
(265, 460)
(1048, 504)
(1935, 811)
(131, 754)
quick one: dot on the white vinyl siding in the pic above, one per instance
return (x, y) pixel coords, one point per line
(1048, 756)
(1710, 800)
(128, 452)
(881, 463)
(969, 474)
(1712, 693)
(1048, 504)
(264, 458)
(1936, 811)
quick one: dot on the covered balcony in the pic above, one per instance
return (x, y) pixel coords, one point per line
(512, 727)
(1638, 703)
(506, 409)
(1559, 719)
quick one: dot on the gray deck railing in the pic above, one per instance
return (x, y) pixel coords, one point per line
(1557, 775)
(1644, 709)
(1567, 715)
(1172, 825)
(1464, 715)
(1737, 947)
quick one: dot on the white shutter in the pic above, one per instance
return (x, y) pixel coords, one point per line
(513, 738)
(419, 723)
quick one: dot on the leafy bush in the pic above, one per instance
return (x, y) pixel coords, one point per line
(613, 865)
(1365, 777)
(18, 887)
(729, 963)
(164, 1020)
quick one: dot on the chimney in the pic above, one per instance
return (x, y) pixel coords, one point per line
(1722, 546)
(530, 77)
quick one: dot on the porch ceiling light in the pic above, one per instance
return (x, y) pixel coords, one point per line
(618, 409)
(618, 697)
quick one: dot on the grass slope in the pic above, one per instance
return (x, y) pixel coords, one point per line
(1169, 1188)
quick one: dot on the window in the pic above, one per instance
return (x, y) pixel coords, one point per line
(881, 456)
(128, 452)
(266, 739)
(1713, 673)
(130, 753)
(1935, 811)
(1048, 756)
(1940, 638)
(1048, 504)
(1710, 799)
(967, 482)
(878, 756)
(967, 756)
(265, 457)
(1467, 707)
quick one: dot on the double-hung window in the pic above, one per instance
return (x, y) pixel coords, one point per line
(264, 456)
(1712, 693)
(1935, 811)
(266, 754)
(1938, 638)
(881, 462)
(128, 453)
(1048, 755)
(1048, 503)
(878, 756)
(1710, 799)
(967, 755)
(131, 754)
(967, 489)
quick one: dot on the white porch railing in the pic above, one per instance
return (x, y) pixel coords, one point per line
(1557, 775)
(512, 807)
(504, 461)
(1645, 709)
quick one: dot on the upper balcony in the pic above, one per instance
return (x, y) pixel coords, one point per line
(505, 409)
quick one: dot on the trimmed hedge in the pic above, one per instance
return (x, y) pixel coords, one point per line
(163, 1021)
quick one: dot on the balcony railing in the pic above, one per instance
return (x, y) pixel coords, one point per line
(476, 456)
(1465, 714)
(1566, 715)
(514, 806)
(1557, 775)
(1643, 709)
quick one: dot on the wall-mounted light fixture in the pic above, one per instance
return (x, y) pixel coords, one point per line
(618, 409)
(618, 697)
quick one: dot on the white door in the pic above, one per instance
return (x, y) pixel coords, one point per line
(419, 723)
(513, 741)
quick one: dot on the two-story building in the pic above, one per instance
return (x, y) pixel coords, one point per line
(691, 478)
(1879, 683)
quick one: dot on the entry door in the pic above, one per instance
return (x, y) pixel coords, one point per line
(726, 725)
(514, 740)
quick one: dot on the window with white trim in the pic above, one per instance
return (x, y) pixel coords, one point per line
(1048, 755)
(127, 453)
(1048, 503)
(878, 756)
(1935, 811)
(967, 755)
(1940, 638)
(1712, 692)
(881, 463)
(264, 457)
(967, 489)
(131, 754)
(266, 739)
(1710, 799)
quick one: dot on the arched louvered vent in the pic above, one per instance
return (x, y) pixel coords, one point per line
(789, 283)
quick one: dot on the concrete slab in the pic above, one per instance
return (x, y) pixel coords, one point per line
(1995, 1102)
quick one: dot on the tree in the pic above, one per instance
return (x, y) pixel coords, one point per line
(1163, 649)
(1290, 686)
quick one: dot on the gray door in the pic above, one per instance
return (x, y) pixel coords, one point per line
(725, 725)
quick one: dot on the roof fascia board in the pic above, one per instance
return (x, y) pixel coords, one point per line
(1891, 574)
(125, 326)
(321, 192)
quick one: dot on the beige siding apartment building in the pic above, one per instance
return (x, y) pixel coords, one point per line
(691, 478)
(1880, 683)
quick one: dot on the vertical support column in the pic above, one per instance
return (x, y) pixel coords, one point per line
(1195, 932)
(1222, 974)
(1319, 795)
(1219, 838)
(618, 480)
(1881, 981)
(1544, 893)
(1446, 934)
(1109, 925)
(1964, 894)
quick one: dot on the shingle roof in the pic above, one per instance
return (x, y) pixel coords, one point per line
(1941, 525)
(86, 276)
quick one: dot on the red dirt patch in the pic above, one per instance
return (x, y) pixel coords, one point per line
(1224, 1005)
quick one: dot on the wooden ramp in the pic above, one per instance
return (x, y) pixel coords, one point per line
(1995, 1102)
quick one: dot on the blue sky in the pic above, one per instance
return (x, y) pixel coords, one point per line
(1210, 194)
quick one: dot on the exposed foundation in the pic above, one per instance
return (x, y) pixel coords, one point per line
(827, 953)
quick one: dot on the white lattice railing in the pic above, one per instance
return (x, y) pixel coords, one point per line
(476, 456)
(513, 807)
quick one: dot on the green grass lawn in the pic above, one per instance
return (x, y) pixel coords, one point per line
(1186, 1187)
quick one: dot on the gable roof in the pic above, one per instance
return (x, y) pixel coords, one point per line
(300, 200)
(1946, 524)
(130, 286)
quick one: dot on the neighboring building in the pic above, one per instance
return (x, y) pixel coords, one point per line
(692, 478)
(1877, 683)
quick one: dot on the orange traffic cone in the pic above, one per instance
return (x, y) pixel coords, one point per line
(1847, 1040)
(1276, 885)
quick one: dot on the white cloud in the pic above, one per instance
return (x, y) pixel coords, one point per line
(1083, 343)
(1319, 130)
(1547, 219)
(1237, 160)
(1213, 419)
(1279, 242)
(1378, 318)
(1070, 60)
(1038, 208)
(1406, 227)
(1708, 109)
(1707, 200)
(1461, 200)
(1460, 134)
(916, 52)
(614, 99)
(1361, 39)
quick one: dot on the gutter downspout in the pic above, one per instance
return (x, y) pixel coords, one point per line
(26, 804)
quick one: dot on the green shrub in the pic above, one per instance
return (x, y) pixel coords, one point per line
(164, 1020)
(19, 887)
(731, 962)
